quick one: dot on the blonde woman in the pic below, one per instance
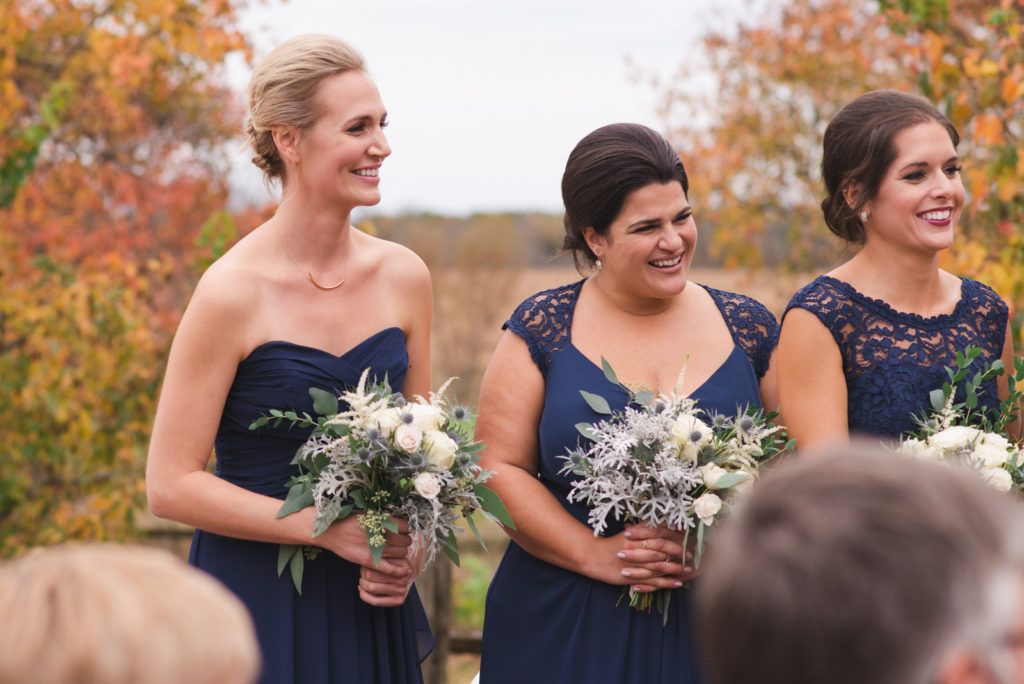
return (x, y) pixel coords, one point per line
(304, 300)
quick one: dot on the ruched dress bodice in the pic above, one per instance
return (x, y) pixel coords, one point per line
(544, 623)
(892, 360)
(328, 635)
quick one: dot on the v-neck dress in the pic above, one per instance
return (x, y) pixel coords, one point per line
(544, 623)
(328, 635)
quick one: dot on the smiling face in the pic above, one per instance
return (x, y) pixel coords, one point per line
(339, 156)
(920, 198)
(649, 246)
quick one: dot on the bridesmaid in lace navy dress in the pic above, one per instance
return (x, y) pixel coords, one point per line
(862, 346)
(303, 300)
(553, 612)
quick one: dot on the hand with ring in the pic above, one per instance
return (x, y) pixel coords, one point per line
(653, 558)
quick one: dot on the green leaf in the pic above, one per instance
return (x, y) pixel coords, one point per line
(324, 403)
(357, 498)
(390, 526)
(450, 547)
(608, 372)
(493, 505)
(297, 565)
(299, 496)
(284, 554)
(472, 526)
(587, 430)
(644, 397)
(972, 400)
(596, 402)
(729, 480)
(376, 552)
(937, 398)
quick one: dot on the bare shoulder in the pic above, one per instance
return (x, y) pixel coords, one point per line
(399, 264)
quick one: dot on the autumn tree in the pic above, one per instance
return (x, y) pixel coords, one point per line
(778, 81)
(113, 117)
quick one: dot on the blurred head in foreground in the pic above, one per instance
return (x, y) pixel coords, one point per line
(860, 567)
(104, 613)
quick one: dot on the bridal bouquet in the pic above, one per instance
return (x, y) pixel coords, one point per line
(382, 457)
(958, 433)
(664, 461)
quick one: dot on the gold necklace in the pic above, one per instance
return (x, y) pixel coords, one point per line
(318, 286)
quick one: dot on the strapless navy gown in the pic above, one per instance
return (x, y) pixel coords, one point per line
(328, 635)
(893, 360)
(547, 624)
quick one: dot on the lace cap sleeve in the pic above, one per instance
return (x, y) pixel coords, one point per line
(543, 321)
(753, 327)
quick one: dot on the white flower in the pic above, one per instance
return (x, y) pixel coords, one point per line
(690, 433)
(955, 437)
(408, 437)
(918, 448)
(992, 452)
(441, 449)
(998, 478)
(711, 474)
(707, 507)
(427, 485)
(385, 420)
(426, 416)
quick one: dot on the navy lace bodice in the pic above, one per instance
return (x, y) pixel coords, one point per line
(893, 360)
(544, 320)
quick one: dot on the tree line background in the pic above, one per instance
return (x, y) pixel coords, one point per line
(114, 116)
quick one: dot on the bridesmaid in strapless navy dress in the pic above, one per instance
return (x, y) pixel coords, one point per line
(328, 628)
(303, 300)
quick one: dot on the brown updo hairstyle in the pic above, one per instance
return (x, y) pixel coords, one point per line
(283, 88)
(859, 147)
(603, 169)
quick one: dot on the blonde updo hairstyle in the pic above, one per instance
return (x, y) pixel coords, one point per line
(283, 88)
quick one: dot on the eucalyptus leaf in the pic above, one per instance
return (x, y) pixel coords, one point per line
(937, 398)
(596, 402)
(608, 372)
(472, 526)
(644, 397)
(728, 480)
(376, 552)
(284, 554)
(390, 526)
(324, 403)
(297, 565)
(587, 430)
(492, 504)
(299, 497)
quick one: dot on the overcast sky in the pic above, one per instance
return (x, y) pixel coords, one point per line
(486, 98)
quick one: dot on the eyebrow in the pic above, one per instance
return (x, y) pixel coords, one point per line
(912, 165)
(654, 221)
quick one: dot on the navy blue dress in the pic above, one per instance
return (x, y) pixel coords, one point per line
(547, 624)
(893, 360)
(328, 635)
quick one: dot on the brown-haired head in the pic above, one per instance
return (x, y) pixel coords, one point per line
(858, 149)
(603, 169)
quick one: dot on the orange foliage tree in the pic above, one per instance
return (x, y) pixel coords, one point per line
(779, 80)
(113, 117)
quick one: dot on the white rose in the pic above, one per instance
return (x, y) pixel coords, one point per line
(385, 420)
(426, 416)
(956, 437)
(690, 433)
(711, 474)
(918, 448)
(998, 478)
(707, 507)
(441, 449)
(408, 437)
(991, 453)
(427, 485)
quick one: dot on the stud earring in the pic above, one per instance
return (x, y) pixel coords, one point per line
(864, 217)
(597, 263)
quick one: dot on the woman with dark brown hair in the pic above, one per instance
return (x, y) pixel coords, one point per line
(862, 346)
(554, 612)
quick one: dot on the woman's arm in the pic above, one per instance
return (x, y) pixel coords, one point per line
(811, 386)
(207, 348)
(511, 401)
(413, 290)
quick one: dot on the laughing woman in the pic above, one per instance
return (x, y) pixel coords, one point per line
(553, 612)
(304, 300)
(862, 346)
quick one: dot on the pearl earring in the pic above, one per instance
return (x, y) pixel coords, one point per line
(597, 263)
(864, 217)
